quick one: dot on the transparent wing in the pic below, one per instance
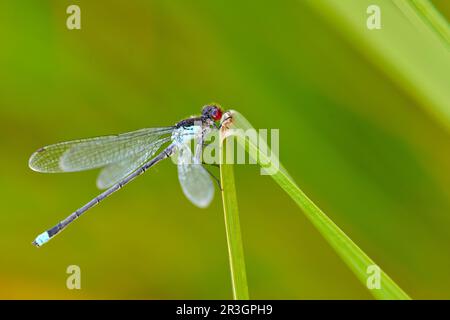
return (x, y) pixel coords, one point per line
(194, 179)
(79, 155)
(115, 172)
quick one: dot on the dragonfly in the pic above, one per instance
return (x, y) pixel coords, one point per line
(124, 157)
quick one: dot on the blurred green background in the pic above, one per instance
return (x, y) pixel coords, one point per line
(359, 140)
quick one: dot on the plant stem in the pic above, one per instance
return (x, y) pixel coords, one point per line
(233, 232)
(356, 259)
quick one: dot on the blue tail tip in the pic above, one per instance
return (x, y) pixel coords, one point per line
(41, 239)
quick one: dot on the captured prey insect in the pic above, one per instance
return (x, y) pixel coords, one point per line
(125, 156)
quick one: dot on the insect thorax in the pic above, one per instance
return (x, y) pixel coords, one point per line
(184, 134)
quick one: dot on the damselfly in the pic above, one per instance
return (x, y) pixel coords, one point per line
(125, 156)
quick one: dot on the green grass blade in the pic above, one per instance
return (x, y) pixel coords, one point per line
(233, 232)
(349, 252)
(432, 16)
(411, 48)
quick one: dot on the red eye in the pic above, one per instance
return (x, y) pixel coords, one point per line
(216, 114)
